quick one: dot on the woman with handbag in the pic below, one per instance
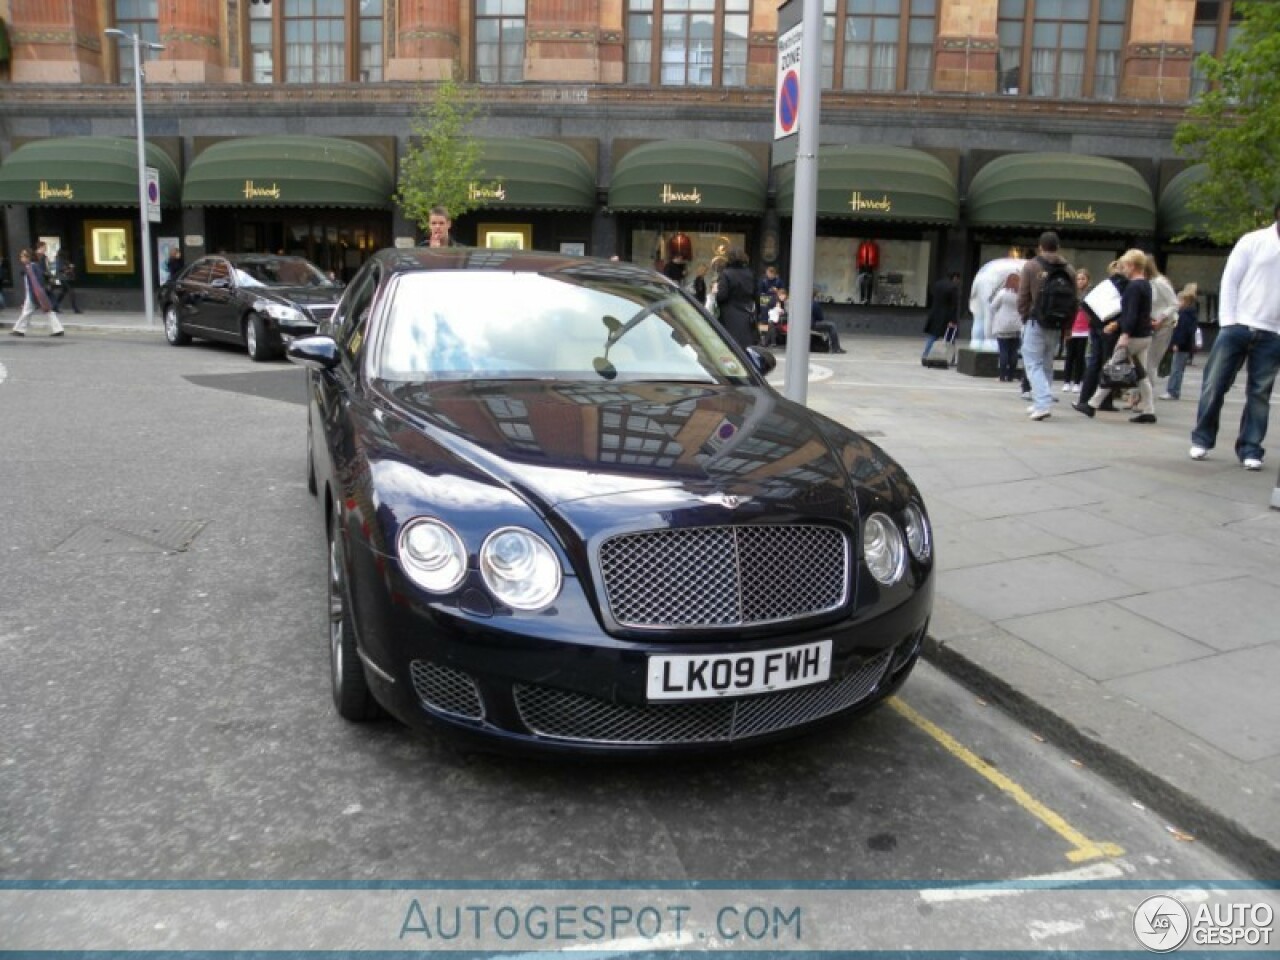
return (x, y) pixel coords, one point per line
(1135, 335)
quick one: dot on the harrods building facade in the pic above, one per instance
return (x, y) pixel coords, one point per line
(951, 130)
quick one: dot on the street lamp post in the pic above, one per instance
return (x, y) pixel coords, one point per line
(136, 41)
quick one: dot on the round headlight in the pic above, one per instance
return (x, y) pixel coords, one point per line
(919, 537)
(520, 569)
(883, 549)
(432, 555)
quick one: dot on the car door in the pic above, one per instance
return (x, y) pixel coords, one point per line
(189, 293)
(220, 307)
(334, 391)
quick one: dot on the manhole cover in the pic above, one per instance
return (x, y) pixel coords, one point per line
(100, 539)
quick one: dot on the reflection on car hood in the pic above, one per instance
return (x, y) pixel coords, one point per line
(307, 296)
(648, 446)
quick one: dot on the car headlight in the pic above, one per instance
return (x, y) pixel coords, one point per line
(432, 555)
(883, 549)
(919, 536)
(278, 311)
(520, 569)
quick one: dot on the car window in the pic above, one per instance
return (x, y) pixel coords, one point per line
(199, 272)
(358, 302)
(219, 270)
(280, 272)
(489, 324)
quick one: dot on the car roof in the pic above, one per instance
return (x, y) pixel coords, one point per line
(258, 257)
(417, 259)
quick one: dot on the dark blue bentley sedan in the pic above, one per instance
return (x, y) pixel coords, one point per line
(564, 510)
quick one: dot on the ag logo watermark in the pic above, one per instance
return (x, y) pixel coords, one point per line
(1162, 924)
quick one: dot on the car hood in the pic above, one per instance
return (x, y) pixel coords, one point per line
(306, 296)
(648, 448)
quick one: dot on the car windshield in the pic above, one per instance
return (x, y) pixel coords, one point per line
(280, 272)
(562, 326)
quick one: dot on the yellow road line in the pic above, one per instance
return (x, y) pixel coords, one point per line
(1082, 847)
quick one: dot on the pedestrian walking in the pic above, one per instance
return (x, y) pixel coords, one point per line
(1183, 343)
(1077, 340)
(943, 312)
(37, 297)
(1047, 302)
(1135, 335)
(1164, 317)
(1006, 326)
(1249, 337)
(63, 281)
(737, 298)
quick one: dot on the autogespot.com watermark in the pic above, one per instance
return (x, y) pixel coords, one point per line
(1163, 923)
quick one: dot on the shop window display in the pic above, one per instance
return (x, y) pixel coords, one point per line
(652, 248)
(870, 271)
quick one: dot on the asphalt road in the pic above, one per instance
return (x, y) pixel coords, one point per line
(166, 715)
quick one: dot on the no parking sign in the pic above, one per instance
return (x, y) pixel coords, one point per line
(786, 112)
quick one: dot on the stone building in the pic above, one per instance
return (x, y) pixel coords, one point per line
(951, 130)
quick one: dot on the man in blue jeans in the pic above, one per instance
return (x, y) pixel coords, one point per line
(1249, 337)
(1038, 342)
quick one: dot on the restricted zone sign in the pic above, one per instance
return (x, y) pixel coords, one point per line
(786, 107)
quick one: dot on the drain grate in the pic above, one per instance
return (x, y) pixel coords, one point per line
(99, 539)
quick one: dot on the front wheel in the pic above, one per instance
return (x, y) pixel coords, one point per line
(173, 331)
(351, 695)
(256, 338)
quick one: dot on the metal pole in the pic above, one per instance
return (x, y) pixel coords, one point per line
(805, 219)
(147, 295)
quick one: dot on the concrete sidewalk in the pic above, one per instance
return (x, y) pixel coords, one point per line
(1120, 598)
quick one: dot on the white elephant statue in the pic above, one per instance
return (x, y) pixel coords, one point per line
(985, 281)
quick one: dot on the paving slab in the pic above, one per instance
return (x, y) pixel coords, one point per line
(1227, 615)
(1015, 588)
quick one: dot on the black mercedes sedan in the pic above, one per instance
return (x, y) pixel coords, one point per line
(565, 511)
(256, 300)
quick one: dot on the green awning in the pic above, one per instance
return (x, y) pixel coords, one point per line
(687, 176)
(288, 171)
(894, 184)
(1176, 218)
(83, 172)
(1061, 191)
(530, 174)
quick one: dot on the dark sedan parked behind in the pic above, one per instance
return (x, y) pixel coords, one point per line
(564, 510)
(256, 300)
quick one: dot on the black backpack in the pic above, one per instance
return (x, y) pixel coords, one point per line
(1056, 304)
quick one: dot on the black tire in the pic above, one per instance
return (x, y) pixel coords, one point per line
(257, 338)
(351, 695)
(173, 331)
(311, 464)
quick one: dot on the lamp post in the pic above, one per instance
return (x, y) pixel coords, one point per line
(136, 41)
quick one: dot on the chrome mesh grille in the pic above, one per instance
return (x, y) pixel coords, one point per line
(446, 690)
(565, 715)
(728, 576)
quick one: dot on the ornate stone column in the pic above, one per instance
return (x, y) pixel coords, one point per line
(192, 34)
(563, 41)
(56, 42)
(964, 58)
(428, 40)
(1157, 60)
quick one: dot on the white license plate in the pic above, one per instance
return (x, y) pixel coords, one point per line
(701, 677)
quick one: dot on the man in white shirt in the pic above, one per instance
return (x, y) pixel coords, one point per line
(1249, 336)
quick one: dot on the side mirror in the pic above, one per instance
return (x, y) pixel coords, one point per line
(314, 353)
(763, 360)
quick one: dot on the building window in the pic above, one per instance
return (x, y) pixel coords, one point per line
(500, 36)
(1059, 40)
(369, 67)
(140, 17)
(884, 44)
(1106, 64)
(1214, 29)
(871, 30)
(701, 43)
(262, 66)
(315, 41)
(1009, 27)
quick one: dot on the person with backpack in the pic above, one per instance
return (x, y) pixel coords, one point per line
(1135, 334)
(1047, 302)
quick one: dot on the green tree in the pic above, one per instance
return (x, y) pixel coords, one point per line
(1234, 128)
(442, 159)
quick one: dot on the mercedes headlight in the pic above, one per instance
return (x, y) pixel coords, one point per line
(278, 311)
(883, 549)
(520, 569)
(919, 536)
(432, 555)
